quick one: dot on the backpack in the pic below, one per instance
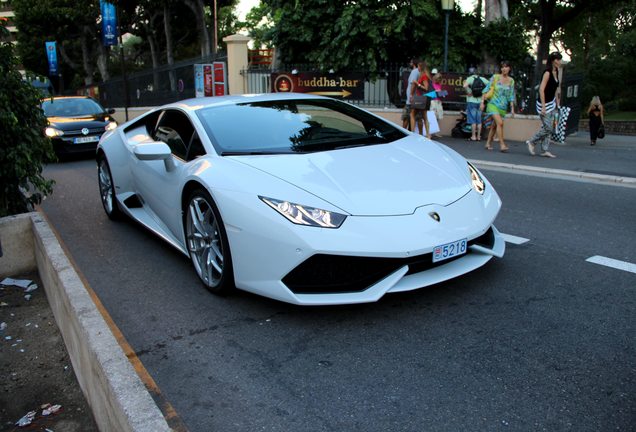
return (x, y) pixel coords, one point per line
(477, 87)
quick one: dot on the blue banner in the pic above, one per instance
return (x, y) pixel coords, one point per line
(51, 56)
(109, 23)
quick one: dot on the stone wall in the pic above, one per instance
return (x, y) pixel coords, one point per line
(613, 127)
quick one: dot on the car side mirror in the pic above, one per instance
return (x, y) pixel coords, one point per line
(110, 110)
(155, 150)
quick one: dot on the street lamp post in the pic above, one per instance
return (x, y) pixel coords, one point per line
(447, 7)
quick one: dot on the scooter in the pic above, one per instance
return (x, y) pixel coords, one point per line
(463, 130)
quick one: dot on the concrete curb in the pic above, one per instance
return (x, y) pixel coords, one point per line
(117, 397)
(597, 178)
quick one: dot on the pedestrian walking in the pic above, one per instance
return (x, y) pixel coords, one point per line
(474, 86)
(596, 112)
(413, 76)
(436, 102)
(420, 102)
(547, 106)
(500, 93)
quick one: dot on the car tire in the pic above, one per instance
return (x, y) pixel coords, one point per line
(207, 243)
(107, 189)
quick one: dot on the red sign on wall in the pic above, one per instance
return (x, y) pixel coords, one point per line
(210, 79)
(207, 80)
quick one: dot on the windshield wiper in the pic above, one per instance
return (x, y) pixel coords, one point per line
(249, 153)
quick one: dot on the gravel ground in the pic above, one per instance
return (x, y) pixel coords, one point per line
(35, 369)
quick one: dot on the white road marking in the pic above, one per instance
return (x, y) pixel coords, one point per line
(514, 239)
(609, 262)
(557, 173)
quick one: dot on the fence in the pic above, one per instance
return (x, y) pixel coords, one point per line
(151, 87)
(387, 88)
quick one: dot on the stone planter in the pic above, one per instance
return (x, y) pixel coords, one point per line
(114, 391)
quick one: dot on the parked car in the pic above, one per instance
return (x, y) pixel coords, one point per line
(76, 123)
(299, 198)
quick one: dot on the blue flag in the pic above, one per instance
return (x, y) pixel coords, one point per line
(109, 23)
(51, 56)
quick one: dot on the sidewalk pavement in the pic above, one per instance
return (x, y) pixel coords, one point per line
(612, 159)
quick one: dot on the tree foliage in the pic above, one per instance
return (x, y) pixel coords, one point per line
(24, 148)
(362, 34)
(515, 49)
(602, 45)
(76, 26)
(72, 24)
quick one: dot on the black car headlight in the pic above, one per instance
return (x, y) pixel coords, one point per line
(53, 132)
(305, 215)
(476, 180)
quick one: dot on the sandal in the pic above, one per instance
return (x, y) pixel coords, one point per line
(504, 149)
(488, 146)
(471, 139)
(547, 154)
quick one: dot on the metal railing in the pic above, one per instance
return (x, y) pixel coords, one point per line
(387, 88)
(150, 87)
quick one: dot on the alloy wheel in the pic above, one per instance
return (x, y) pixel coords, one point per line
(105, 186)
(205, 242)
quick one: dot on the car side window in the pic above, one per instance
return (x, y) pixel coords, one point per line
(175, 129)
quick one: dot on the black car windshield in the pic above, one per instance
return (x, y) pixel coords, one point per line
(72, 107)
(293, 126)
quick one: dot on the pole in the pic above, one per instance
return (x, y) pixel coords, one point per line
(446, 43)
(215, 31)
(123, 66)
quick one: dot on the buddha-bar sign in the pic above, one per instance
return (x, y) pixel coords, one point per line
(348, 85)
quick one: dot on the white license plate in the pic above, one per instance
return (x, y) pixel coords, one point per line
(449, 250)
(81, 140)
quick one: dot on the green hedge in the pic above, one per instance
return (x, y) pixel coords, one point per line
(23, 146)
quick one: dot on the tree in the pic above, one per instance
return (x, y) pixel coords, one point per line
(72, 24)
(199, 8)
(24, 148)
(548, 16)
(496, 10)
(362, 34)
(602, 44)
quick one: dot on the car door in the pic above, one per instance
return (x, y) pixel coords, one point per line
(159, 188)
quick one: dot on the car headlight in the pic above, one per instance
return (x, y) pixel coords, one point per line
(53, 132)
(111, 125)
(304, 215)
(477, 181)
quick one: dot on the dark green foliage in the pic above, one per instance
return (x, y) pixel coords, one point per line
(368, 33)
(353, 35)
(502, 40)
(23, 148)
(602, 43)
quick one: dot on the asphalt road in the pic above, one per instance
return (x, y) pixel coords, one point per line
(538, 340)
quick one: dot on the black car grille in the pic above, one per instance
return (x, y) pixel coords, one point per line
(91, 131)
(332, 274)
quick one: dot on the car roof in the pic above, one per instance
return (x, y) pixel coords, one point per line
(54, 98)
(206, 102)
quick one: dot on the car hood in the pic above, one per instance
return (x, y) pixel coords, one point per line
(69, 123)
(376, 180)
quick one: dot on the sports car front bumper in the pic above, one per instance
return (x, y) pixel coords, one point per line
(366, 257)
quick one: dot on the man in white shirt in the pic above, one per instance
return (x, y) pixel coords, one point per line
(413, 77)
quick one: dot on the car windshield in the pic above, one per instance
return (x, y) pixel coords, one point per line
(293, 126)
(73, 107)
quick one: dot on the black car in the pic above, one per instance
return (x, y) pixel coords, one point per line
(76, 123)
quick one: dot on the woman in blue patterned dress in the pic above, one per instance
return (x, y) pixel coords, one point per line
(500, 93)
